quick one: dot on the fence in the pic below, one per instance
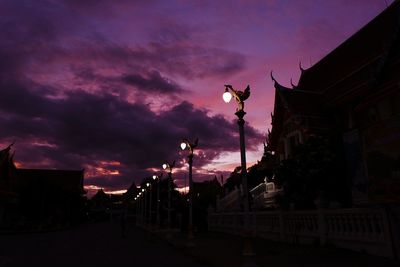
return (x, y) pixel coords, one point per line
(361, 229)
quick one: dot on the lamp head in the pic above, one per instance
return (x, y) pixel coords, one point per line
(147, 184)
(183, 145)
(227, 96)
(142, 189)
(154, 177)
(164, 166)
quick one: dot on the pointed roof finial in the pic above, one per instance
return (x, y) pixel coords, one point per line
(291, 82)
(8, 148)
(301, 68)
(276, 84)
(272, 77)
(10, 145)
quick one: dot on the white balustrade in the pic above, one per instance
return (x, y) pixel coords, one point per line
(363, 229)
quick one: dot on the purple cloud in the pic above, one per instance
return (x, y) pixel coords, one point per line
(114, 86)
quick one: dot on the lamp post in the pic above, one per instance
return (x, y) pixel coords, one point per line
(144, 206)
(240, 97)
(136, 208)
(149, 188)
(169, 166)
(158, 178)
(186, 144)
(139, 220)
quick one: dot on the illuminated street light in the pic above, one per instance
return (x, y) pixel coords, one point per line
(145, 206)
(240, 97)
(149, 185)
(158, 178)
(170, 167)
(183, 145)
(227, 96)
(191, 146)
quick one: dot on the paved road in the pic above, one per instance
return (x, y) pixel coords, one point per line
(102, 245)
(90, 245)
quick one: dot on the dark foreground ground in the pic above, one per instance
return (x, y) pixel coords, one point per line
(97, 245)
(102, 245)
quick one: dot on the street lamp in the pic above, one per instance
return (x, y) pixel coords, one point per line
(140, 204)
(158, 178)
(150, 188)
(137, 209)
(144, 206)
(240, 97)
(186, 144)
(169, 166)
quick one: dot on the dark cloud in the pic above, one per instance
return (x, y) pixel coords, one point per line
(85, 129)
(65, 93)
(192, 60)
(48, 39)
(152, 82)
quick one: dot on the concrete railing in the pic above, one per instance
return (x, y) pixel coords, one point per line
(257, 194)
(363, 229)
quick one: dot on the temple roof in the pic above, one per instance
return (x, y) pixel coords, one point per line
(100, 195)
(296, 101)
(301, 102)
(20, 179)
(364, 48)
(358, 71)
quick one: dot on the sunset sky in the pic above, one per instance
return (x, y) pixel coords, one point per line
(113, 86)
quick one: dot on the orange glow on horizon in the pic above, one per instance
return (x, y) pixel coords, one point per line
(104, 170)
(110, 163)
(18, 164)
(182, 190)
(116, 192)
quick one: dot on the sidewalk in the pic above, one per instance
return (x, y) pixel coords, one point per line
(217, 249)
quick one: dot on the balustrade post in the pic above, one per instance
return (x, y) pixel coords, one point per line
(321, 226)
(255, 222)
(282, 234)
(388, 231)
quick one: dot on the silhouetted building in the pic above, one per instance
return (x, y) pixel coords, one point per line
(39, 197)
(105, 206)
(100, 199)
(352, 98)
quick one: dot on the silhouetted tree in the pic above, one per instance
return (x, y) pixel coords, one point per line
(314, 171)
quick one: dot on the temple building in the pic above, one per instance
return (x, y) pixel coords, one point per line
(352, 98)
(39, 198)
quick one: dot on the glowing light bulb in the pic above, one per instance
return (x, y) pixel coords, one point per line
(227, 96)
(183, 145)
